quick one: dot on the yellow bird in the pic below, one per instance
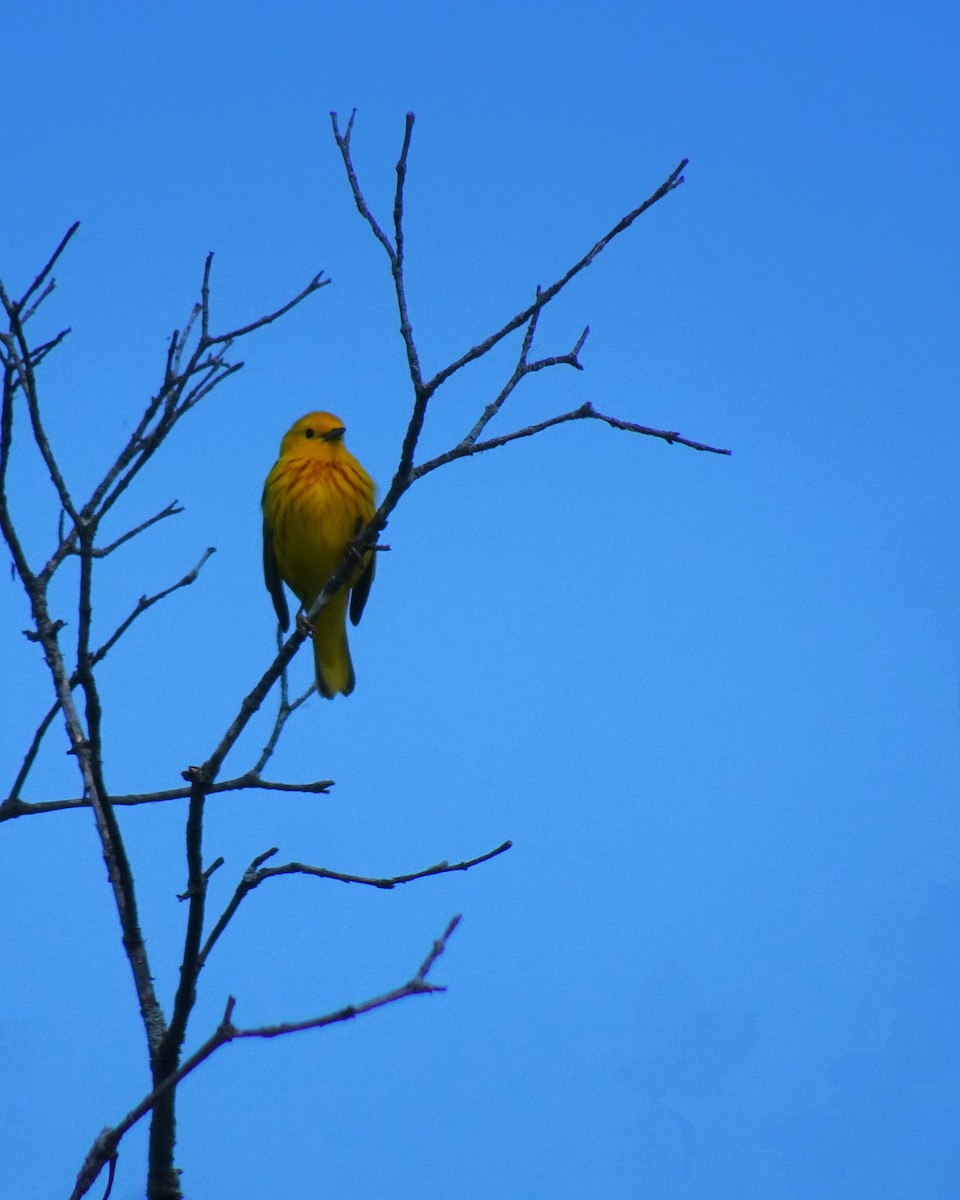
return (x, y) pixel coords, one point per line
(316, 499)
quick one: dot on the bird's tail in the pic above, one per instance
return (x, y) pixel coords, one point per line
(331, 654)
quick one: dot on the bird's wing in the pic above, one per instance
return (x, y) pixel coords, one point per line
(361, 589)
(271, 575)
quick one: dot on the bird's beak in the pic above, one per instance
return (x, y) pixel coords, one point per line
(334, 435)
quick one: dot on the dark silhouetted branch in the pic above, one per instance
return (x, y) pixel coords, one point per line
(15, 807)
(256, 873)
(585, 412)
(143, 605)
(104, 1148)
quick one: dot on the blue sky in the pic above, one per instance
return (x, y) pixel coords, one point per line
(714, 702)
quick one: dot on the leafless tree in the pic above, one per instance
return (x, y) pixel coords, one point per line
(197, 360)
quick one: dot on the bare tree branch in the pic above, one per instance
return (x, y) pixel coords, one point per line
(104, 1148)
(176, 396)
(190, 963)
(39, 353)
(143, 605)
(45, 271)
(524, 368)
(14, 807)
(173, 509)
(256, 873)
(343, 142)
(7, 527)
(585, 412)
(13, 801)
(314, 285)
(19, 354)
(545, 295)
(395, 254)
(285, 710)
(282, 717)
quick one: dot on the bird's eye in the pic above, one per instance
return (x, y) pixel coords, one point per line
(308, 433)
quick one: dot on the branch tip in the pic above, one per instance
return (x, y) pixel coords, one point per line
(262, 858)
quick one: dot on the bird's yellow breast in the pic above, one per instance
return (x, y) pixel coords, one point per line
(314, 508)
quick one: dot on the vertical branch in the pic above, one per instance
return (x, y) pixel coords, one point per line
(196, 897)
(421, 393)
(85, 738)
(395, 252)
(7, 526)
(205, 301)
(397, 262)
(114, 853)
(89, 751)
(163, 1178)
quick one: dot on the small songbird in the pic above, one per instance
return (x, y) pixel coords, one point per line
(316, 499)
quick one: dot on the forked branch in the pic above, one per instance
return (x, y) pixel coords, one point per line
(104, 1149)
(407, 472)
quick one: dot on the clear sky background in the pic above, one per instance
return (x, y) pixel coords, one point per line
(714, 702)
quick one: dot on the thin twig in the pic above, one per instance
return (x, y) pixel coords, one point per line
(545, 295)
(20, 354)
(14, 807)
(664, 434)
(39, 353)
(395, 253)
(173, 509)
(256, 873)
(524, 368)
(205, 300)
(584, 412)
(49, 288)
(48, 267)
(314, 285)
(7, 527)
(397, 269)
(285, 710)
(143, 605)
(13, 801)
(176, 397)
(343, 143)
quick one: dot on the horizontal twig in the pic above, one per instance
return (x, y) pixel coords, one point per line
(256, 873)
(585, 412)
(14, 807)
(386, 883)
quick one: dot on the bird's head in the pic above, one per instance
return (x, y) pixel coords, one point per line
(318, 434)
